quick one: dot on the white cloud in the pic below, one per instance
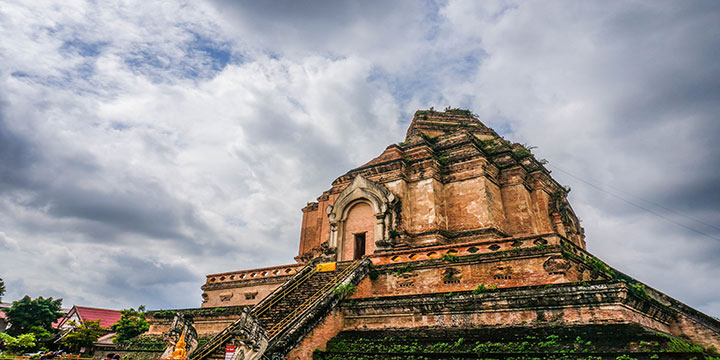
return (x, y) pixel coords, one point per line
(144, 144)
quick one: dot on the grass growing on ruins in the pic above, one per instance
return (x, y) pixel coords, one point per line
(483, 288)
(584, 342)
(344, 290)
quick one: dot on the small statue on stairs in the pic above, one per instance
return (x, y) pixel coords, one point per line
(183, 330)
(179, 353)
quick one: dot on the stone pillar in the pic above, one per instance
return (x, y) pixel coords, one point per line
(379, 232)
(333, 235)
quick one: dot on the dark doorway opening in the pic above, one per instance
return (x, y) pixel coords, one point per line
(359, 246)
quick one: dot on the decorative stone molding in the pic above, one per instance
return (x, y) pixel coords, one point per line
(380, 199)
(556, 265)
(452, 275)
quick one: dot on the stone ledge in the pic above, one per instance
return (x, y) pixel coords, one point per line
(246, 283)
(530, 297)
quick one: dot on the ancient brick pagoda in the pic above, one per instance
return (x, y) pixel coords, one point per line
(449, 235)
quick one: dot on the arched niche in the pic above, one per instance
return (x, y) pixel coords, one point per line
(381, 202)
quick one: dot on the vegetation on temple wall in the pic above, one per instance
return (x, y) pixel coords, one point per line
(443, 160)
(678, 345)
(481, 288)
(422, 113)
(344, 290)
(430, 139)
(131, 324)
(600, 269)
(143, 342)
(491, 145)
(169, 314)
(405, 269)
(450, 258)
(522, 153)
(377, 345)
(530, 344)
(458, 111)
(448, 110)
(374, 273)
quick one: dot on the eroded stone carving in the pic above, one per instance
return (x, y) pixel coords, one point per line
(452, 275)
(250, 338)
(182, 324)
(556, 265)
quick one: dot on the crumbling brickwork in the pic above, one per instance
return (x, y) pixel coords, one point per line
(453, 177)
(464, 229)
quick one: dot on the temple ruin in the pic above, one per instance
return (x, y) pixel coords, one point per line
(454, 233)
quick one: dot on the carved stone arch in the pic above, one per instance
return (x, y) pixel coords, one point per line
(380, 199)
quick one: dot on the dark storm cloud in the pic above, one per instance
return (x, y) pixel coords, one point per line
(666, 82)
(16, 154)
(137, 206)
(76, 187)
(310, 23)
(146, 274)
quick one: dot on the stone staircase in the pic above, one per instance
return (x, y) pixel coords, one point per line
(273, 326)
(273, 317)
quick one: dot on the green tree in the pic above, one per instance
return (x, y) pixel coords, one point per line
(83, 335)
(18, 345)
(2, 287)
(41, 334)
(32, 315)
(131, 324)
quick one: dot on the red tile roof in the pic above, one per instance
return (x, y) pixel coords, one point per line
(107, 317)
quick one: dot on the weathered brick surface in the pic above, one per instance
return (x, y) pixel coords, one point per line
(452, 207)
(246, 287)
(360, 221)
(466, 178)
(204, 325)
(438, 276)
(328, 328)
(570, 304)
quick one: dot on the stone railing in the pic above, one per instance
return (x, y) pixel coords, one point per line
(468, 248)
(261, 273)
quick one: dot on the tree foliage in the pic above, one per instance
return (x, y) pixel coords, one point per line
(33, 315)
(83, 335)
(2, 287)
(18, 345)
(131, 324)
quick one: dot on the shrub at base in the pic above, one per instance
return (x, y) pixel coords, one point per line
(18, 345)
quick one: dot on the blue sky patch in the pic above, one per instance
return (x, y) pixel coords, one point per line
(82, 48)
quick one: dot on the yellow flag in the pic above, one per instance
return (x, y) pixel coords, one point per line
(326, 267)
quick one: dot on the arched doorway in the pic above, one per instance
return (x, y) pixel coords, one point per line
(359, 236)
(370, 210)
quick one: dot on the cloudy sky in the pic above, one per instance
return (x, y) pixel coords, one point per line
(145, 144)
